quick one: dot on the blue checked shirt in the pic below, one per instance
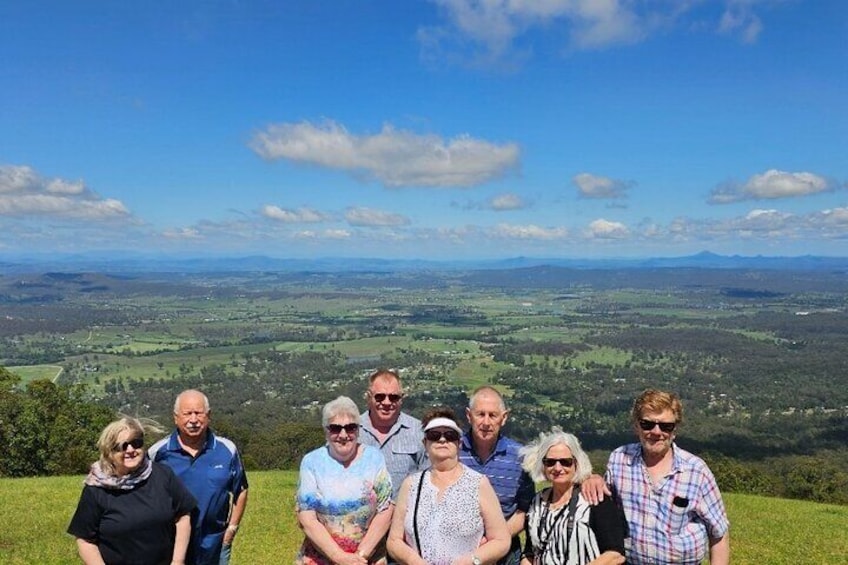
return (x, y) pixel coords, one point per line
(673, 521)
(402, 448)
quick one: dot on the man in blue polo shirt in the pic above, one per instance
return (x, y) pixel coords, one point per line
(210, 467)
(485, 450)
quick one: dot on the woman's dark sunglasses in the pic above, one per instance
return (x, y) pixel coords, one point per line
(381, 396)
(566, 462)
(337, 428)
(666, 427)
(136, 443)
(437, 435)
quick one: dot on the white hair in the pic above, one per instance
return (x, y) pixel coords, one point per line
(534, 452)
(341, 406)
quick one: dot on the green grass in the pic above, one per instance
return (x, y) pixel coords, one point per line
(37, 511)
(32, 372)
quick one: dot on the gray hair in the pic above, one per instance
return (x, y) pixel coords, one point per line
(109, 437)
(186, 393)
(341, 406)
(486, 389)
(534, 452)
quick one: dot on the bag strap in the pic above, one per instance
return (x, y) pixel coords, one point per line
(415, 512)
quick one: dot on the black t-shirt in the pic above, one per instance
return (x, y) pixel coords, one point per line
(133, 527)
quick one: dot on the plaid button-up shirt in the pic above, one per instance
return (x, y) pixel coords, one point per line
(671, 522)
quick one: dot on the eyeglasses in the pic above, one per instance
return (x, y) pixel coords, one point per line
(136, 443)
(336, 429)
(437, 435)
(648, 425)
(381, 396)
(566, 462)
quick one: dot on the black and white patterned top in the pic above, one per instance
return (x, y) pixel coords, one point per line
(596, 529)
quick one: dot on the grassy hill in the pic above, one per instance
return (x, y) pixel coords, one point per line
(37, 511)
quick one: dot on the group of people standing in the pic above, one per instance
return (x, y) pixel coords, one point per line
(388, 488)
(178, 501)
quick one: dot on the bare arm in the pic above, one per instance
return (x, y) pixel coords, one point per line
(515, 524)
(397, 546)
(594, 489)
(318, 535)
(720, 550)
(181, 539)
(89, 552)
(498, 538)
(376, 531)
(235, 518)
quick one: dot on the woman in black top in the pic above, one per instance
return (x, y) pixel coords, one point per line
(561, 527)
(131, 511)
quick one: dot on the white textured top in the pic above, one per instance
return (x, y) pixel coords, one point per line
(449, 526)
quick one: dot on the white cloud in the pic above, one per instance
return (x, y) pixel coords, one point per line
(739, 18)
(507, 201)
(594, 186)
(24, 193)
(510, 231)
(182, 234)
(299, 216)
(331, 234)
(605, 229)
(396, 158)
(369, 217)
(488, 30)
(770, 185)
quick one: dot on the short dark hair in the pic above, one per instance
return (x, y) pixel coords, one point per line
(439, 412)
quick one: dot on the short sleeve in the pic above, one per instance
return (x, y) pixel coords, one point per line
(526, 492)
(383, 487)
(306, 497)
(607, 522)
(238, 474)
(710, 506)
(85, 523)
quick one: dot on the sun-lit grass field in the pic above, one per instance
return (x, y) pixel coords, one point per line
(764, 531)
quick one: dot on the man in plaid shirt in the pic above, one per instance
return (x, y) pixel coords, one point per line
(671, 501)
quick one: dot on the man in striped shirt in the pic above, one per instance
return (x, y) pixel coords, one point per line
(673, 507)
(484, 449)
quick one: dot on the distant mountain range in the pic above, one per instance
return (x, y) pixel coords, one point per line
(124, 263)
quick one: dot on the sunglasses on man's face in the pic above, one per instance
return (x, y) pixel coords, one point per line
(566, 462)
(437, 435)
(393, 398)
(336, 429)
(136, 443)
(666, 427)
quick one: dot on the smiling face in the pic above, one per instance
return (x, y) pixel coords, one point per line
(343, 444)
(655, 442)
(558, 474)
(129, 459)
(385, 411)
(191, 417)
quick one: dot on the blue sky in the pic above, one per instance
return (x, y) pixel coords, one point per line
(432, 129)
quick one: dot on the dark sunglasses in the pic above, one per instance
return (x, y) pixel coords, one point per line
(136, 443)
(337, 428)
(566, 462)
(666, 427)
(437, 435)
(381, 396)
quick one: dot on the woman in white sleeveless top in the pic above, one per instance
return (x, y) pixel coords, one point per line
(448, 514)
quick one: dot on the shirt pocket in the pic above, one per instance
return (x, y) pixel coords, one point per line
(678, 515)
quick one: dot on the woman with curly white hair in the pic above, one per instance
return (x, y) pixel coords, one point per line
(561, 527)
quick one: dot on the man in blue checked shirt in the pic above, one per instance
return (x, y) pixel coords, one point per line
(484, 449)
(210, 467)
(673, 507)
(395, 433)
